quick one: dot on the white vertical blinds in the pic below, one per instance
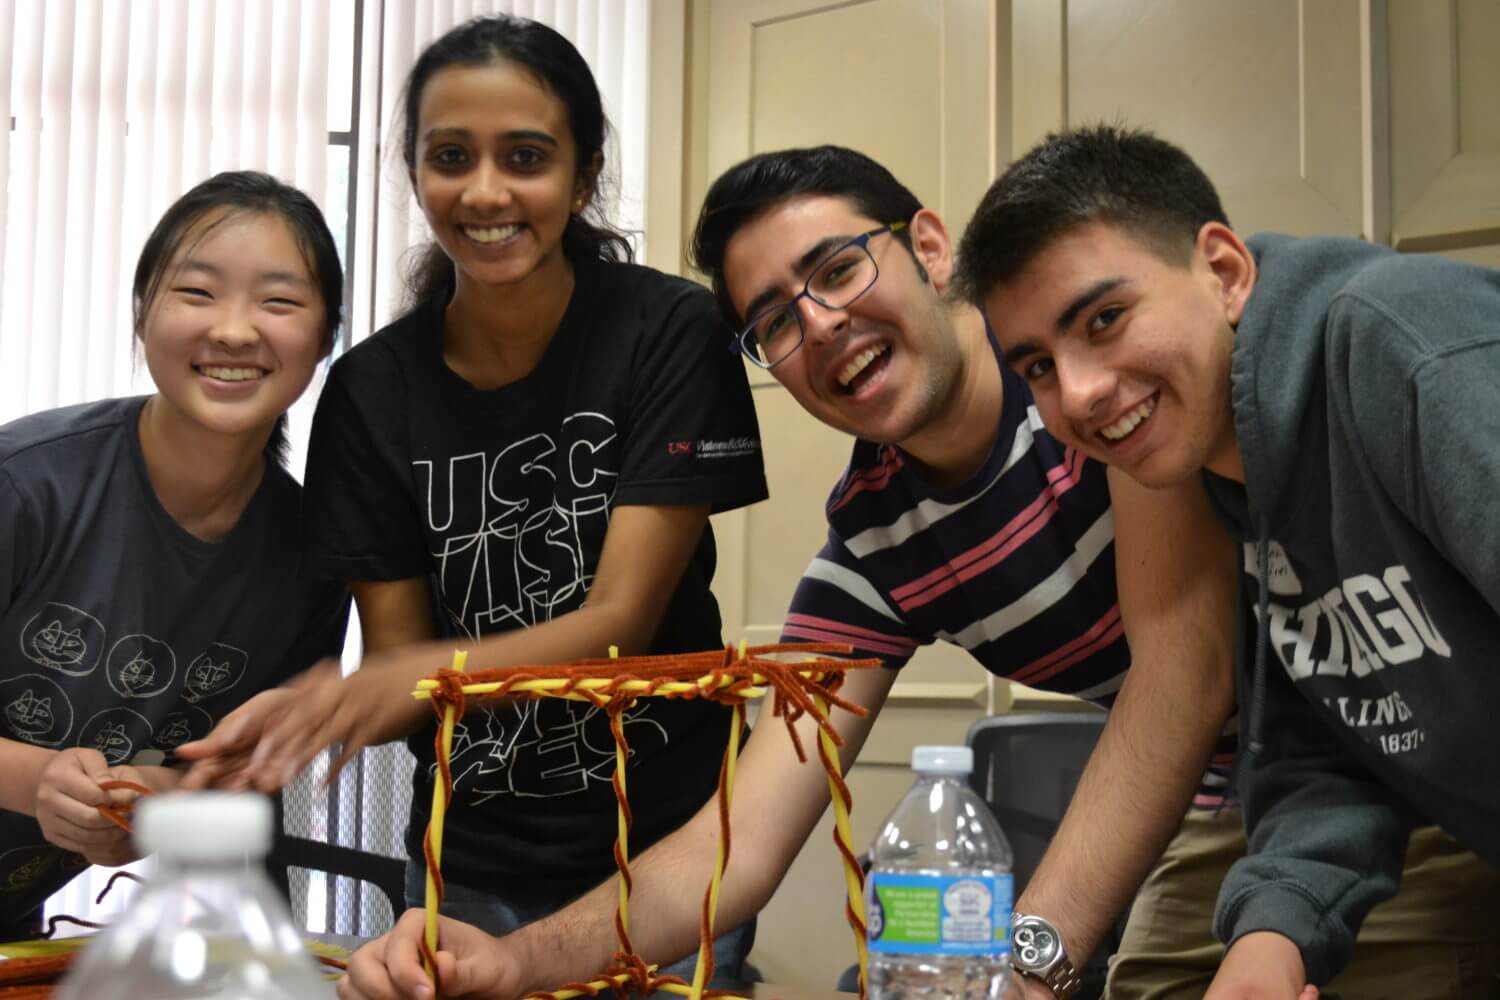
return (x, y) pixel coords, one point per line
(118, 107)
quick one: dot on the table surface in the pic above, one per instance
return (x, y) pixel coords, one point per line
(770, 991)
(755, 991)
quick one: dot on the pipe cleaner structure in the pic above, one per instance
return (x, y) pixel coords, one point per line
(729, 676)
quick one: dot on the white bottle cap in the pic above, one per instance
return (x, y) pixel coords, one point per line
(201, 826)
(942, 760)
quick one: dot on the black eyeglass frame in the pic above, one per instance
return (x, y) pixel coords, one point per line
(745, 337)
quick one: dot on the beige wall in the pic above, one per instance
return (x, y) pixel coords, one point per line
(1371, 118)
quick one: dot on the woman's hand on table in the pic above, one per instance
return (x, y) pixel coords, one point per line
(68, 798)
(1262, 965)
(470, 963)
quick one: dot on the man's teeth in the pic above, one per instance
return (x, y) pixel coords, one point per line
(490, 234)
(231, 374)
(1122, 427)
(859, 363)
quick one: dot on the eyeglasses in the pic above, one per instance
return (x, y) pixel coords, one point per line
(843, 276)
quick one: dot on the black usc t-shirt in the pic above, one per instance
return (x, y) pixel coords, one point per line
(503, 497)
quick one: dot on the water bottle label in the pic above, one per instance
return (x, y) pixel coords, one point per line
(939, 914)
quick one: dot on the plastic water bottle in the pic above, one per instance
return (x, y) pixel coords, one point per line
(209, 926)
(938, 899)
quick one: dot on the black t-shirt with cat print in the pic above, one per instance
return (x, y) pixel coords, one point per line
(119, 630)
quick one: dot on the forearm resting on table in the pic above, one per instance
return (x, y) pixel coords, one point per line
(777, 801)
(665, 907)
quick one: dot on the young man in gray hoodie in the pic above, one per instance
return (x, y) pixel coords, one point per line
(1338, 403)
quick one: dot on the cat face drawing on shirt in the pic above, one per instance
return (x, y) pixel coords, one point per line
(59, 644)
(23, 865)
(23, 876)
(140, 666)
(175, 733)
(137, 674)
(35, 709)
(30, 715)
(207, 674)
(179, 727)
(63, 638)
(114, 733)
(111, 741)
(214, 671)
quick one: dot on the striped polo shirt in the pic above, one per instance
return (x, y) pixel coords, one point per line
(1016, 565)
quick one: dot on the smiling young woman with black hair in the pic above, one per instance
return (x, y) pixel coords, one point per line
(152, 574)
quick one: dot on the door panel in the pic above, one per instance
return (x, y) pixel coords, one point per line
(1445, 132)
(1265, 95)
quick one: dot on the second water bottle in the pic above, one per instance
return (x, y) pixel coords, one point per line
(938, 899)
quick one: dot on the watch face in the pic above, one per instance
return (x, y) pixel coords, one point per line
(1035, 945)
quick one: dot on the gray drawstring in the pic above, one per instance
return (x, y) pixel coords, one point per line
(1256, 709)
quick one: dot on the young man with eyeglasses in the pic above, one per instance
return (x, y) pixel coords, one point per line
(959, 518)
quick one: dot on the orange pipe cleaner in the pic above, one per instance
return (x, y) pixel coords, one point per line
(613, 684)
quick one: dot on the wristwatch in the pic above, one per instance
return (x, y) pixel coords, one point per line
(1037, 951)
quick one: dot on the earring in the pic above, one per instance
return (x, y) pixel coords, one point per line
(578, 205)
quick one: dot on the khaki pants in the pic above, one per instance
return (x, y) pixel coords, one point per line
(1438, 938)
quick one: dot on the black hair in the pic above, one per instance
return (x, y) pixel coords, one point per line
(238, 192)
(559, 68)
(1101, 173)
(762, 182)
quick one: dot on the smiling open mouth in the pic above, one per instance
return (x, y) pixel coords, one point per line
(1127, 425)
(862, 367)
(490, 234)
(226, 373)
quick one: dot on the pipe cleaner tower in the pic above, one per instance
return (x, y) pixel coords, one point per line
(731, 677)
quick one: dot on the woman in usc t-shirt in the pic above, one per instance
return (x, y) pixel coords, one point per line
(525, 461)
(152, 572)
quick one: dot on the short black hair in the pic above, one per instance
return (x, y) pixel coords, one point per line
(1101, 173)
(747, 190)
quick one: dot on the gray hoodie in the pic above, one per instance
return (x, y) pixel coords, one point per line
(1366, 392)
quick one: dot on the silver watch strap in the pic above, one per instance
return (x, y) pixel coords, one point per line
(1062, 979)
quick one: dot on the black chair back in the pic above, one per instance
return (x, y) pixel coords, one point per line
(369, 870)
(1026, 768)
